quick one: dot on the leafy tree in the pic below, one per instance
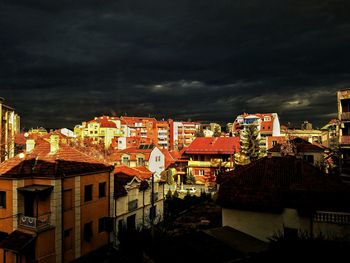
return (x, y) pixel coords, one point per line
(249, 148)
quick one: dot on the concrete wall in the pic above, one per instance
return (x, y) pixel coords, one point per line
(263, 225)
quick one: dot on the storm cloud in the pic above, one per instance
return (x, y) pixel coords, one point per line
(65, 62)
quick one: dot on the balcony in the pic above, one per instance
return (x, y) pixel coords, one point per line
(332, 217)
(212, 163)
(36, 223)
(345, 116)
(345, 140)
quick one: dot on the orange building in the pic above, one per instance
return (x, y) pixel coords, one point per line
(54, 203)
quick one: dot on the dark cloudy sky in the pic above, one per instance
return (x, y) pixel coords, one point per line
(63, 62)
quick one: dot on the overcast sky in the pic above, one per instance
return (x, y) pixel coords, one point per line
(63, 62)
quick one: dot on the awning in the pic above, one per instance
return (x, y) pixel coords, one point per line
(36, 188)
(17, 241)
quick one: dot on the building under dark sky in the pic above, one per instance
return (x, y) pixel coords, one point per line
(65, 62)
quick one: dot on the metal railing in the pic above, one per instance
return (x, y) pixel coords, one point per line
(345, 116)
(332, 217)
(38, 222)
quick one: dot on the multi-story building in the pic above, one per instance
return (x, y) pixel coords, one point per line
(55, 203)
(162, 135)
(100, 129)
(330, 135)
(343, 98)
(9, 126)
(142, 127)
(208, 156)
(182, 134)
(148, 156)
(267, 124)
(138, 199)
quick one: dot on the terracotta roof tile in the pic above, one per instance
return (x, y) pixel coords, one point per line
(276, 182)
(40, 162)
(214, 145)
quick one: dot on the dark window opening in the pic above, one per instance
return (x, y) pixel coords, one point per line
(88, 193)
(2, 199)
(88, 231)
(101, 190)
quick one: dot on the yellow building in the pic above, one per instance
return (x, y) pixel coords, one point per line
(100, 129)
(9, 126)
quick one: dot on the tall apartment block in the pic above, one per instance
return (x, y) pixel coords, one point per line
(9, 126)
(343, 98)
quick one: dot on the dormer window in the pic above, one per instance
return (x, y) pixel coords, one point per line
(267, 118)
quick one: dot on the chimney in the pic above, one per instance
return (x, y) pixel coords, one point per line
(54, 143)
(30, 144)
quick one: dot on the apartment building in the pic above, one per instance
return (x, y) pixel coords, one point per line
(343, 99)
(138, 199)
(9, 126)
(100, 130)
(208, 156)
(55, 203)
(145, 155)
(182, 134)
(267, 124)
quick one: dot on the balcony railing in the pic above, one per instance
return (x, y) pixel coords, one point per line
(345, 116)
(345, 139)
(36, 223)
(212, 163)
(332, 217)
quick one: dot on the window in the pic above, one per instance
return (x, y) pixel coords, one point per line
(102, 224)
(120, 225)
(200, 172)
(2, 199)
(101, 189)
(88, 231)
(88, 193)
(139, 161)
(68, 239)
(131, 222)
(152, 212)
(67, 199)
(125, 160)
(274, 143)
(309, 158)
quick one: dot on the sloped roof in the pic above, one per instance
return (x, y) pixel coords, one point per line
(132, 151)
(124, 174)
(270, 184)
(302, 146)
(17, 241)
(140, 172)
(40, 162)
(214, 145)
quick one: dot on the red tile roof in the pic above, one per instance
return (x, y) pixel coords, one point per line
(132, 151)
(40, 162)
(270, 184)
(302, 146)
(214, 145)
(140, 172)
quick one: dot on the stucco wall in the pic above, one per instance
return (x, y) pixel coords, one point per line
(263, 225)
